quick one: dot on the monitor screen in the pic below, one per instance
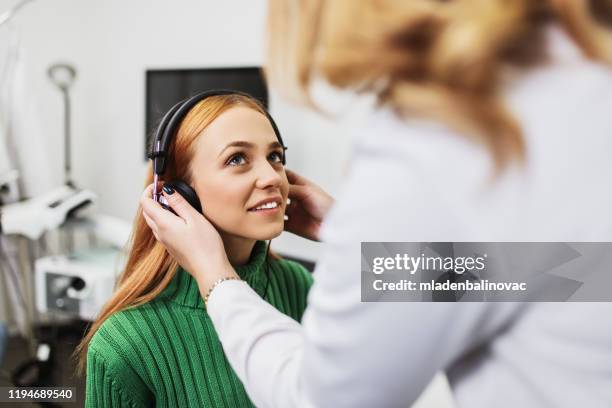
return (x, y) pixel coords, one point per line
(166, 87)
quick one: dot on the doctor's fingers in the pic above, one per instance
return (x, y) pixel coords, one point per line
(298, 192)
(295, 178)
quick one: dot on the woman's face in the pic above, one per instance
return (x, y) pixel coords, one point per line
(237, 165)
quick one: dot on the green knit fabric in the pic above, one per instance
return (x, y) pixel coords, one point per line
(166, 352)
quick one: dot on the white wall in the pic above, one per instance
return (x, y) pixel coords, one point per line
(112, 43)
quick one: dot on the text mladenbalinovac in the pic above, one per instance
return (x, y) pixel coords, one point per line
(459, 265)
(454, 286)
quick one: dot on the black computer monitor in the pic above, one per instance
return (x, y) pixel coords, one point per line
(165, 87)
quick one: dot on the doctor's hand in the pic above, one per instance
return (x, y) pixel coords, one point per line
(309, 206)
(189, 237)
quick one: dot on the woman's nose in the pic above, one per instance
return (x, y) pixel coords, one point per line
(267, 176)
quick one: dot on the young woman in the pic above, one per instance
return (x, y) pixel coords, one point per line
(153, 343)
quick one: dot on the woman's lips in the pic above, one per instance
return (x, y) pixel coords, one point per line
(266, 211)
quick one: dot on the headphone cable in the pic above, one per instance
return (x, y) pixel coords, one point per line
(267, 261)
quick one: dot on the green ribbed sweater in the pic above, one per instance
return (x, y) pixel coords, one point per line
(166, 352)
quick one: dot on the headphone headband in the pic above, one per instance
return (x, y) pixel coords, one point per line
(173, 118)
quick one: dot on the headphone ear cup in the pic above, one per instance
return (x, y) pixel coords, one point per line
(187, 192)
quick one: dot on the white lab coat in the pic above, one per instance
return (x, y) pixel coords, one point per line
(418, 181)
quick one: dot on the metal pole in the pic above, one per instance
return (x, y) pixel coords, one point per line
(67, 140)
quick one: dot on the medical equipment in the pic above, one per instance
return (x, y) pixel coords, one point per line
(63, 76)
(77, 285)
(31, 218)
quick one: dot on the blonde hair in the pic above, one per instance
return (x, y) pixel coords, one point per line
(149, 268)
(442, 60)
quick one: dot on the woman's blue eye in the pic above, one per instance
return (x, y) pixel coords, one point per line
(239, 159)
(279, 156)
(232, 161)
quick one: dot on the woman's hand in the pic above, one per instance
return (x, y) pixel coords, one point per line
(190, 238)
(309, 206)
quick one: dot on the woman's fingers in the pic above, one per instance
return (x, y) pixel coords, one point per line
(148, 219)
(148, 192)
(156, 213)
(182, 208)
(146, 199)
(149, 222)
(151, 225)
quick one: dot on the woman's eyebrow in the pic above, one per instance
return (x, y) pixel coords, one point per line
(248, 145)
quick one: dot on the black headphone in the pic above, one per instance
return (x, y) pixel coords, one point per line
(158, 151)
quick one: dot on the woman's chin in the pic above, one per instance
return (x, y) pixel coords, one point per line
(272, 235)
(262, 233)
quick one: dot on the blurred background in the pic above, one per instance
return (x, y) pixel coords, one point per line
(82, 83)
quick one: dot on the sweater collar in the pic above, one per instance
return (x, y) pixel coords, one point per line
(183, 288)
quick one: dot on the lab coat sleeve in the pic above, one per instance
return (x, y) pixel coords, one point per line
(349, 353)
